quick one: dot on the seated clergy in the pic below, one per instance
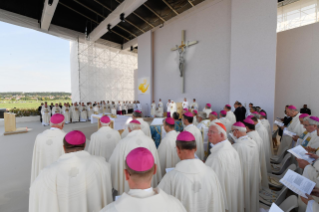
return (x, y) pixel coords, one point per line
(207, 109)
(194, 105)
(48, 146)
(312, 205)
(167, 148)
(135, 138)
(249, 160)
(311, 140)
(230, 115)
(192, 182)
(104, 140)
(137, 115)
(77, 181)
(224, 160)
(188, 123)
(142, 197)
(159, 110)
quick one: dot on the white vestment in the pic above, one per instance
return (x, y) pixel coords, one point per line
(159, 110)
(266, 124)
(195, 122)
(195, 185)
(77, 181)
(194, 106)
(56, 110)
(224, 160)
(108, 108)
(139, 107)
(203, 127)
(172, 108)
(145, 128)
(249, 161)
(226, 123)
(67, 115)
(48, 147)
(185, 105)
(168, 106)
(75, 114)
(139, 200)
(153, 109)
(113, 109)
(84, 114)
(231, 117)
(133, 140)
(46, 115)
(313, 139)
(262, 158)
(207, 111)
(103, 142)
(198, 137)
(167, 151)
(90, 111)
(262, 131)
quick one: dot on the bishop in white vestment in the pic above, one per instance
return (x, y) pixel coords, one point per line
(140, 166)
(159, 110)
(153, 109)
(48, 146)
(75, 113)
(46, 115)
(84, 113)
(249, 160)
(173, 108)
(224, 160)
(104, 141)
(192, 182)
(188, 122)
(56, 109)
(194, 105)
(207, 109)
(185, 104)
(135, 138)
(311, 139)
(225, 121)
(203, 127)
(230, 115)
(266, 124)
(167, 148)
(67, 114)
(137, 115)
(77, 181)
(168, 106)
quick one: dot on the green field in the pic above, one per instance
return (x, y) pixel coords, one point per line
(27, 104)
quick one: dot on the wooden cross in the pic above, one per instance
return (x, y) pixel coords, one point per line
(181, 51)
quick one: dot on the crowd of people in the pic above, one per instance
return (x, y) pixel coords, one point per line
(218, 161)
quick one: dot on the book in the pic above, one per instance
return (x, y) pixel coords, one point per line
(279, 123)
(275, 208)
(300, 152)
(298, 183)
(289, 133)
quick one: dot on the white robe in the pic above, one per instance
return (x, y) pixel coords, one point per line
(133, 140)
(108, 108)
(185, 105)
(226, 123)
(138, 200)
(195, 185)
(46, 115)
(113, 109)
(207, 111)
(249, 161)
(145, 128)
(75, 114)
(159, 111)
(48, 147)
(90, 111)
(172, 108)
(56, 110)
(167, 151)
(168, 106)
(195, 122)
(199, 141)
(84, 114)
(103, 142)
(153, 109)
(67, 114)
(231, 117)
(77, 182)
(262, 158)
(262, 131)
(203, 127)
(224, 160)
(266, 124)
(313, 139)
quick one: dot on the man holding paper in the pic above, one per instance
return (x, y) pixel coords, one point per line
(312, 206)
(311, 139)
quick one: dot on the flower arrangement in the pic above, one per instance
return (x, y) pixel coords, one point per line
(19, 112)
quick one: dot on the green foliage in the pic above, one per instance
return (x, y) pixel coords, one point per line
(30, 104)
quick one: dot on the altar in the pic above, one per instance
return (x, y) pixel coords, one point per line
(119, 122)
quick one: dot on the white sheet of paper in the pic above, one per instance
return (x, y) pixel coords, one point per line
(289, 133)
(275, 208)
(116, 197)
(169, 169)
(300, 153)
(279, 123)
(297, 183)
(157, 121)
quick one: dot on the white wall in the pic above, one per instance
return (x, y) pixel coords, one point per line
(207, 63)
(297, 74)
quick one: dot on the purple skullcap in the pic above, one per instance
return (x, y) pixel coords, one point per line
(185, 136)
(135, 122)
(138, 111)
(57, 118)
(255, 112)
(209, 105)
(195, 111)
(250, 116)
(170, 121)
(249, 121)
(239, 124)
(185, 109)
(140, 159)
(314, 118)
(214, 113)
(262, 113)
(292, 107)
(303, 115)
(223, 112)
(228, 105)
(188, 114)
(105, 119)
(75, 137)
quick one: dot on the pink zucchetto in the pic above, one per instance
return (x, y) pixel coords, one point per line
(262, 113)
(195, 111)
(239, 124)
(135, 122)
(140, 159)
(209, 105)
(105, 119)
(75, 137)
(250, 116)
(185, 136)
(188, 114)
(214, 113)
(255, 112)
(185, 109)
(228, 105)
(223, 112)
(314, 118)
(137, 111)
(249, 121)
(170, 121)
(292, 107)
(303, 115)
(57, 118)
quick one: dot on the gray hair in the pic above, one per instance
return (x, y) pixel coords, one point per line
(58, 125)
(219, 128)
(311, 122)
(133, 126)
(135, 114)
(105, 124)
(240, 129)
(202, 115)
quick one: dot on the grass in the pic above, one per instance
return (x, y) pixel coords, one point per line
(27, 104)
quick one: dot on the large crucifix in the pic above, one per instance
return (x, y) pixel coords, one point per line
(181, 51)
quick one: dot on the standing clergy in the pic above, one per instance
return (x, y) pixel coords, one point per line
(119, 108)
(140, 166)
(46, 114)
(135, 138)
(192, 182)
(90, 110)
(104, 141)
(75, 113)
(48, 146)
(224, 160)
(167, 148)
(213, 117)
(160, 104)
(207, 109)
(249, 161)
(159, 110)
(185, 104)
(253, 134)
(56, 109)
(66, 113)
(230, 115)
(173, 108)
(108, 107)
(113, 108)
(266, 124)
(194, 105)
(168, 108)
(203, 127)
(137, 115)
(188, 123)
(153, 109)
(84, 114)
(77, 181)
(224, 120)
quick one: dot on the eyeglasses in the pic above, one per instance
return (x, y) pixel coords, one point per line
(233, 130)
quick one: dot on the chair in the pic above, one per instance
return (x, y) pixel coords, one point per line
(278, 158)
(280, 168)
(281, 196)
(273, 196)
(276, 178)
(290, 203)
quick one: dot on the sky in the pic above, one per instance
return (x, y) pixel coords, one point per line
(32, 61)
